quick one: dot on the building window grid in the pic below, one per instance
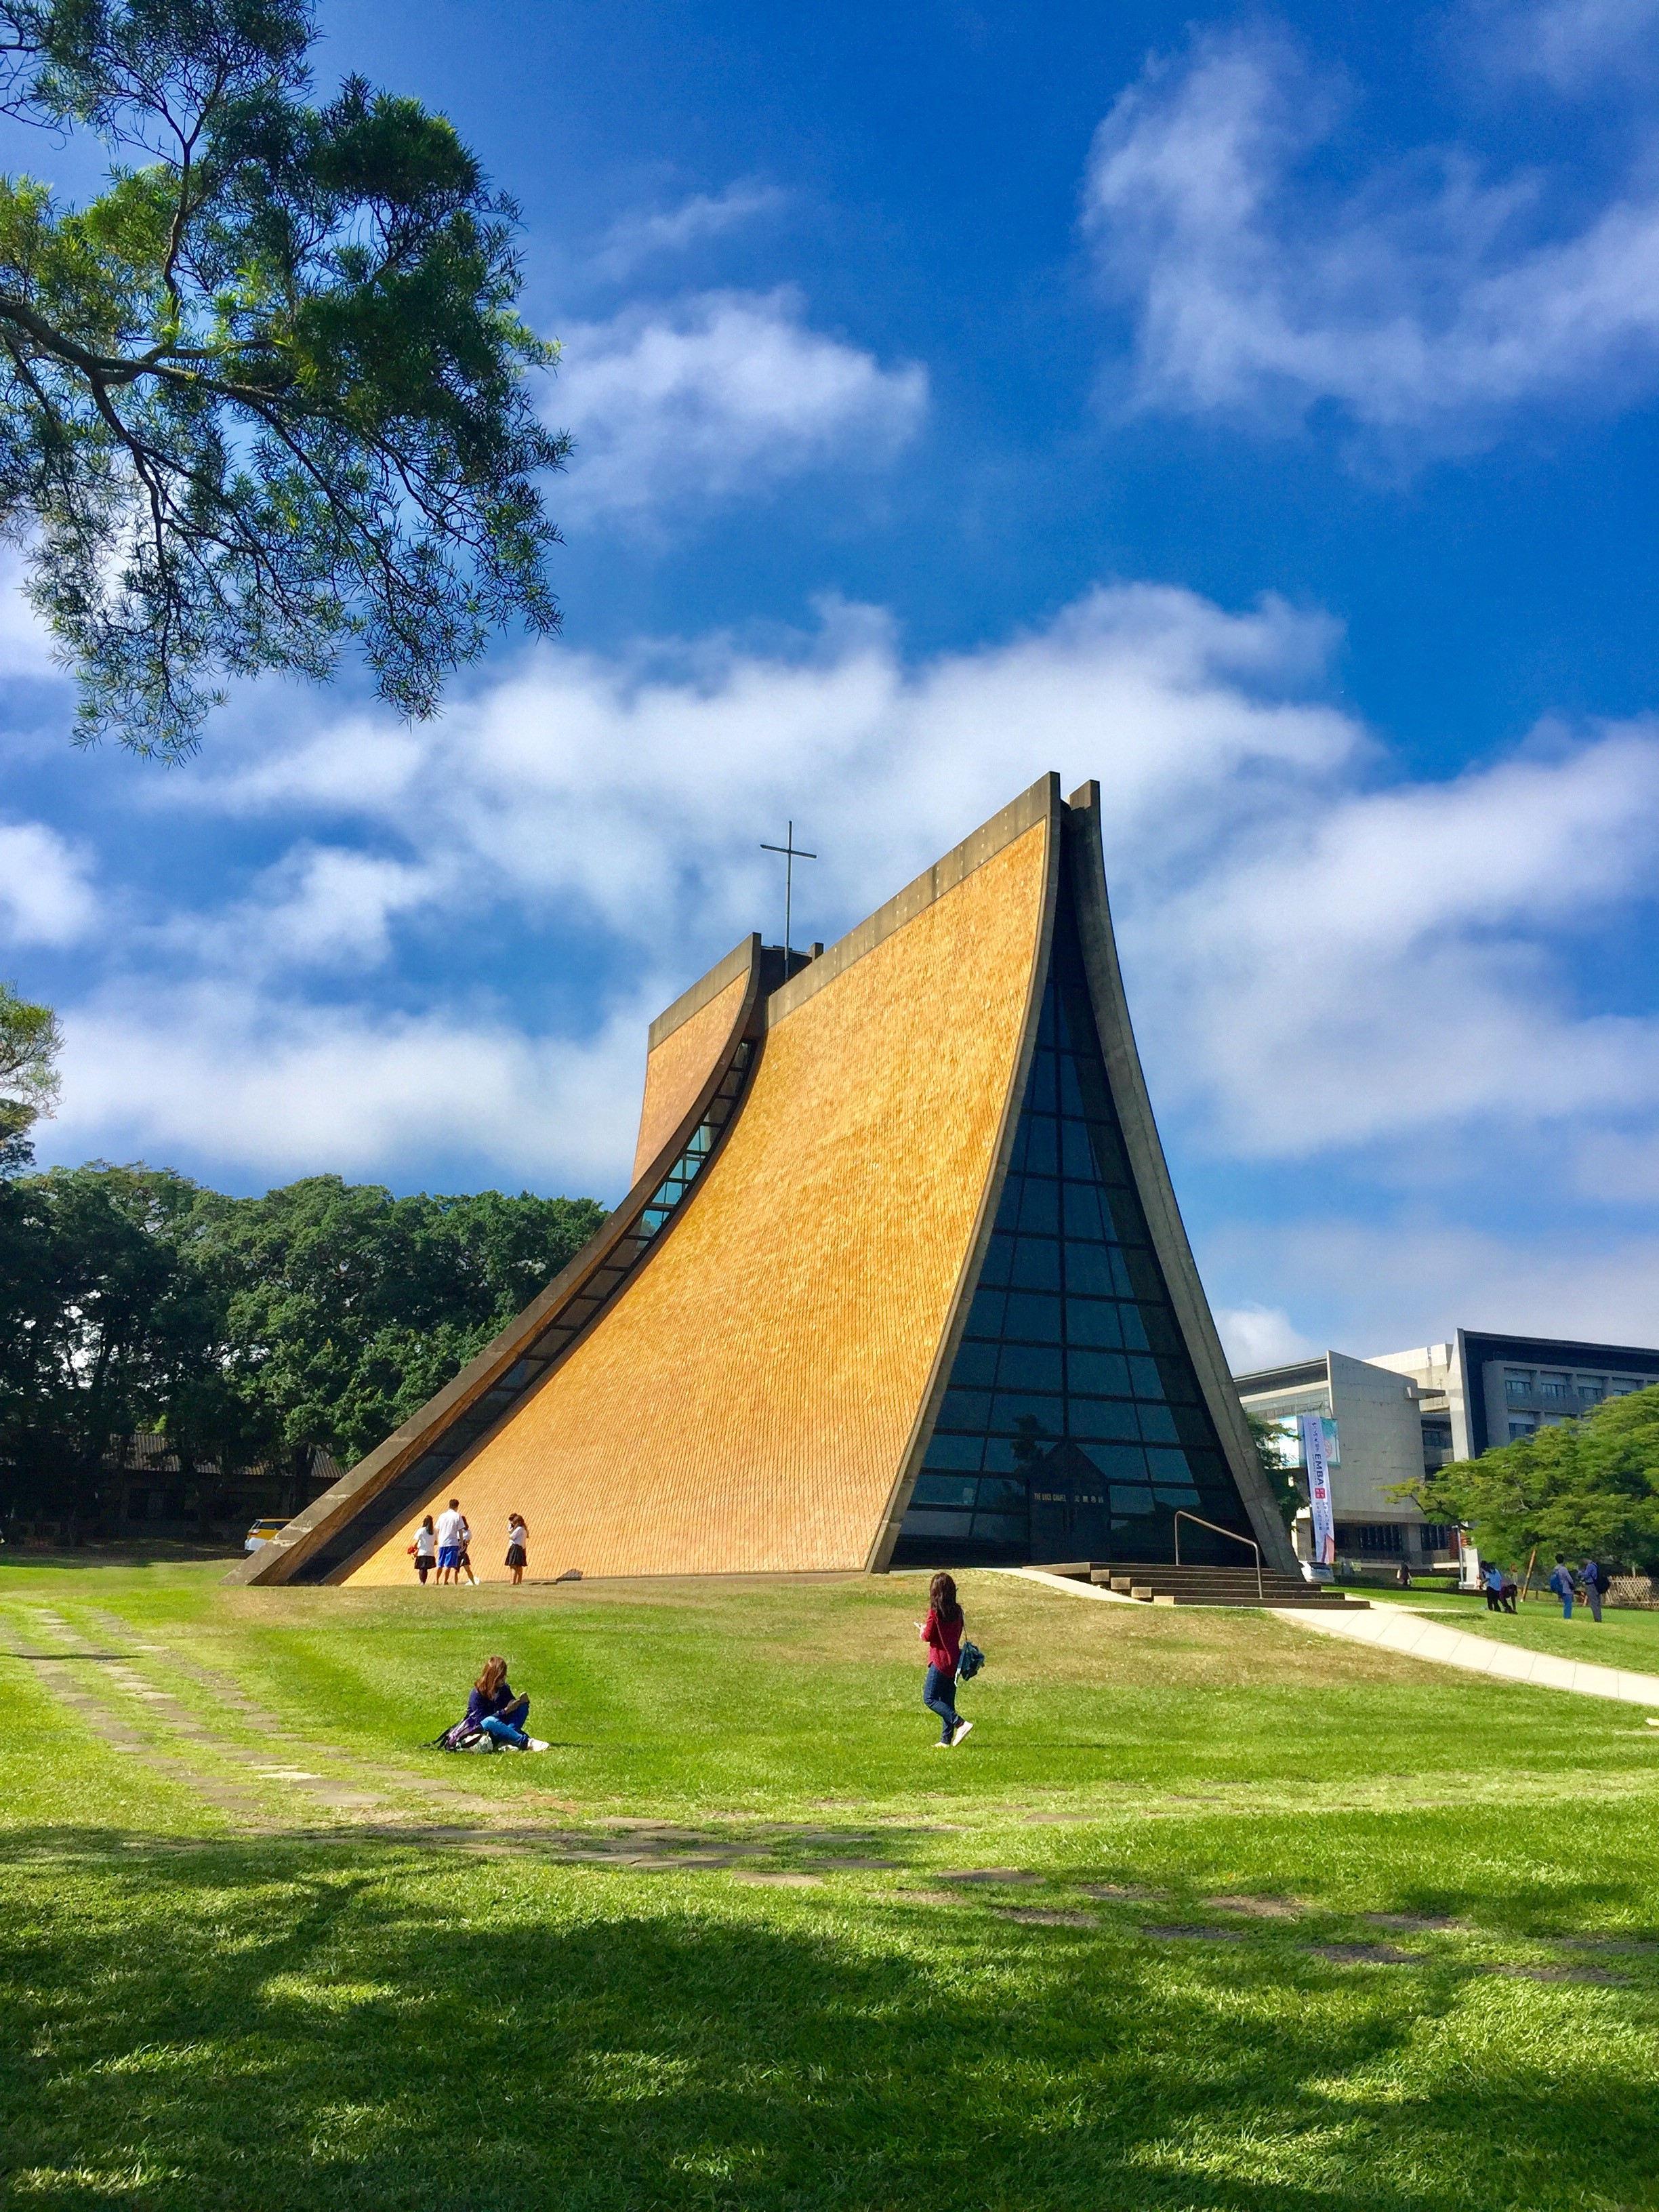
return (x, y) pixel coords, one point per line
(1069, 1341)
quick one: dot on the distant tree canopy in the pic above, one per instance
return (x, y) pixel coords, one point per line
(30, 1041)
(266, 396)
(321, 1315)
(1272, 1449)
(1588, 1488)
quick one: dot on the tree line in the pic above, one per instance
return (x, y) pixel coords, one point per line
(245, 1330)
(1588, 1488)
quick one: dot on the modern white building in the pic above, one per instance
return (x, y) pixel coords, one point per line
(1396, 1415)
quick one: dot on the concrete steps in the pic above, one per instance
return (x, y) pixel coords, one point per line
(1196, 1585)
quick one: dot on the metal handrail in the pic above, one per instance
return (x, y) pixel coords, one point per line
(1182, 1514)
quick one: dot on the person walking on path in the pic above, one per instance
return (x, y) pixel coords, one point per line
(1594, 1588)
(1494, 1589)
(1561, 1584)
(425, 1548)
(495, 1709)
(450, 1526)
(518, 1536)
(942, 1634)
(465, 1563)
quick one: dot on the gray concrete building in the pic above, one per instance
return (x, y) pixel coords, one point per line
(1395, 1415)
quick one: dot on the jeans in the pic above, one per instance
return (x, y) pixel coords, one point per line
(1566, 1604)
(938, 1694)
(508, 1727)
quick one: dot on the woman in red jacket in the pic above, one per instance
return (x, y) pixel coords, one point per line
(942, 1634)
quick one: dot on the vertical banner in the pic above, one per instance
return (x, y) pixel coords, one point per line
(1319, 1489)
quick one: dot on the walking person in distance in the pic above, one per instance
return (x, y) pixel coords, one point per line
(450, 1526)
(1595, 1587)
(1561, 1584)
(518, 1537)
(425, 1548)
(465, 1563)
(942, 1634)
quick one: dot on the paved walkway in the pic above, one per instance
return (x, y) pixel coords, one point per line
(1396, 1628)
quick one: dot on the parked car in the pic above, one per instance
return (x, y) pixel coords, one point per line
(263, 1531)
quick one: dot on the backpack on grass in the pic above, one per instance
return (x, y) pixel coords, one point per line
(970, 1660)
(465, 1735)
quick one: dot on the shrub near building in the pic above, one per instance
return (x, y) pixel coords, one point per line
(1588, 1488)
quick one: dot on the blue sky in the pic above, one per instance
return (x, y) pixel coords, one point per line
(1257, 410)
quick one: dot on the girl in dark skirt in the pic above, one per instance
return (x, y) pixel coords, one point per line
(425, 1548)
(942, 1634)
(518, 1536)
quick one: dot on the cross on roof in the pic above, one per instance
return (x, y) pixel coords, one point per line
(791, 853)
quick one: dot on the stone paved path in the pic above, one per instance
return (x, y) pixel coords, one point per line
(1396, 1628)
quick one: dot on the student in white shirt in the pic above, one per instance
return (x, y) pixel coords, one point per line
(451, 1538)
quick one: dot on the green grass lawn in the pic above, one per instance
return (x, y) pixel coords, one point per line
(709, 1950)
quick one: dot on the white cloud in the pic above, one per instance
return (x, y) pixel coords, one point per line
(45, 895)
(1573, 45)
(1255, 1337)
(248, 1082)
(1321, 961)
(1425, 301)
(721, 393)
(641, 236)
(1389, 962)
(1324, 958)
(1388, 1286)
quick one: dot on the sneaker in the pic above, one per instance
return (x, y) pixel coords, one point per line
(536, 1744)
(962, 1728)
(944, 1743)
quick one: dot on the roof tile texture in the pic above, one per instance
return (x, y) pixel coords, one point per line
(677, 1070)
(745, 1405)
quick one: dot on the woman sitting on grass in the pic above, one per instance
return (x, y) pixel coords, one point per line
(493, 1708)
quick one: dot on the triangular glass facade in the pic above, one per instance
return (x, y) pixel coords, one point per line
(1072, 1427)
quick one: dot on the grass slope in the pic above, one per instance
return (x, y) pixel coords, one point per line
(196, 2015)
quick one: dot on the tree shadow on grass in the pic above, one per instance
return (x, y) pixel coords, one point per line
(263, 2026)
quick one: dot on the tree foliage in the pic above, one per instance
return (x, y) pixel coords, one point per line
(246, 1329)
(1588, 1488)
(346, 1308)
(30, 1041)
(104, 1321)
(266, 394)
(1272, 1450)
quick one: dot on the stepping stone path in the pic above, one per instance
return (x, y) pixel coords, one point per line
(1037, 1918)
(1121, 1890)
(110, 1690)
(1414, 1923)
(1259, 1908)
(988, 1874)
(760, 1879)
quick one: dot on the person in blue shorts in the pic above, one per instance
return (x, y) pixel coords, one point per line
(452, 1528)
